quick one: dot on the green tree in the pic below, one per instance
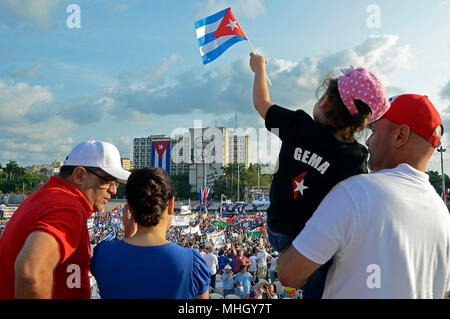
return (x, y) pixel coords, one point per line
(181, 185)
(12, 170)
(248, 178)
(18, 180)
(436, 181)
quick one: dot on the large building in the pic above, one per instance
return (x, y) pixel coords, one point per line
(199, 153)
(239, 149)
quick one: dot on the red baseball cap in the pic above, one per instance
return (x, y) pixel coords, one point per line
(418, 113)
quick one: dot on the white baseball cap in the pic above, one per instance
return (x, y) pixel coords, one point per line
(99, 154)
(227, 267)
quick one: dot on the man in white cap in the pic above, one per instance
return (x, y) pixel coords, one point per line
(45, 249)
(228, 281)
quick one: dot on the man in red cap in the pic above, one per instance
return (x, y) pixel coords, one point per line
(388, 232)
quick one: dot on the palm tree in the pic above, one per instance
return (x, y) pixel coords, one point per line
(12, 170)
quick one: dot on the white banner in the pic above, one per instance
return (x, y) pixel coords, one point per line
(193, 230)
(181, 220)
(90, 223)
(217, 238)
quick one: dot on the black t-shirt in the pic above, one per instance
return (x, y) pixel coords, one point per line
(311, 162)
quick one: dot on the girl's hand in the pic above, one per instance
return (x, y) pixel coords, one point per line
(257, 62)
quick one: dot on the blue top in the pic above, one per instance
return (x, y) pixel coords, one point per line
(223, 261)
(245, 280)
(167, 271)
(228, 284)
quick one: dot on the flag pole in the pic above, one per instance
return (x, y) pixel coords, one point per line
(253, 50)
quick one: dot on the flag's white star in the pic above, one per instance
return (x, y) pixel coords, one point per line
(300, 187)
(160, 146)
(232, 24)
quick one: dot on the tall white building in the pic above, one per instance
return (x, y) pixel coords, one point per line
(238, 149)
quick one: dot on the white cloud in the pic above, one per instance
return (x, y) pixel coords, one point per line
(25, 136)
(17, 99)
(37, 11)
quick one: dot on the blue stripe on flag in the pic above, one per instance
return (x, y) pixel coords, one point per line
(206, 39)
(211, 19)
(168, 159)
(214, 54)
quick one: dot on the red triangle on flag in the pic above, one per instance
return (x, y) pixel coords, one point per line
(160, 147)
(229, 26)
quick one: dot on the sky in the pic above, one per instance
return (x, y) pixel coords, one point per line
(132, 68)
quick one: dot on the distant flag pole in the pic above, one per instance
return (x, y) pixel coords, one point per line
(216, 33)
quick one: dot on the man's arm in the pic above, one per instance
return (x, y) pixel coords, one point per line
(294, 268)
(34, 266)
(261, 97)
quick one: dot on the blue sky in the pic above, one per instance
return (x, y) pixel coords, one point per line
(134, 67)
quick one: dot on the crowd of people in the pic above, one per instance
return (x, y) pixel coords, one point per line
(241, 263)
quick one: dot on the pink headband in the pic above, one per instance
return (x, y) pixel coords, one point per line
(362, 85)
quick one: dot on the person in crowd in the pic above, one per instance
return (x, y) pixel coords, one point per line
(253, 294)
(316, 152)
(222, 261)
(228, 281)
(147, 265)
(266, 290)
(240, 260)
(262, 258)
(212, 262)
(243, 281)
(389, 231)
(253, 267)
(2, 210)
(45, 249)
(273, 267)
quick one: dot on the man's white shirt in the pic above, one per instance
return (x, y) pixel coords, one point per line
(389, 234)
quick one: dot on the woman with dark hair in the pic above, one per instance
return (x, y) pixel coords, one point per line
(146, 264)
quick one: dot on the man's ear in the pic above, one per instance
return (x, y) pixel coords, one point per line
(401, 135)
(79, 176)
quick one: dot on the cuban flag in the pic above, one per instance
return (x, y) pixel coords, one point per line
(204, 192)
(217, 33)
(161, 154)
(110, 236)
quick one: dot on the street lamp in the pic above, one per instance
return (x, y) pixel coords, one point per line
(442, 150)
(202, 150)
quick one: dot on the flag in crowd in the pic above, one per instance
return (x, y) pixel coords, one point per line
(204, 192)
(161, 154)
(110, 236)
(216, 33)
